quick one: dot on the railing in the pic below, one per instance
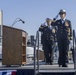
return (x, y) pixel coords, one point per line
(36, 54)
(74, 48)
(36, 59)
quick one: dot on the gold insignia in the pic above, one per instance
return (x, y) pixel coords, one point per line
(41, 27)
(68, 30)
(66, 24)
(53, 30)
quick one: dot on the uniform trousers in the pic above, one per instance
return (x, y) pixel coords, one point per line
(48, 51)
(63, 47)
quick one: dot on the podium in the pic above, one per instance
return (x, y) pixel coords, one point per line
(13, 46)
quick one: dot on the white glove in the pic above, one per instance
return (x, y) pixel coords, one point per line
(71, 41)
(43, 25)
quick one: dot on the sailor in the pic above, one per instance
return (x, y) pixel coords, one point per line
(48, 40)
(64, 33)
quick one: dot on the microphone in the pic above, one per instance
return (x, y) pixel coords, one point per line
(22, 21)
(17, 20)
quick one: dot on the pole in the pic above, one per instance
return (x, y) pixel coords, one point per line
(1, 26)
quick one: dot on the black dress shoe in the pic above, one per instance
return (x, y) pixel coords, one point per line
(46, 63)
(60, 65)
(51, 63)
(65, 65)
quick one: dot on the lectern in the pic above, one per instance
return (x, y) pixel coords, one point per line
(13, 46)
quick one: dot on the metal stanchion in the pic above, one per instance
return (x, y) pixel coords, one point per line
(74, 48)
(36, 70)
(38, 53)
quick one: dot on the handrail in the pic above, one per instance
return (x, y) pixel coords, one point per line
(36, 70)
(38, 53)
(74, 48)
(36, 47)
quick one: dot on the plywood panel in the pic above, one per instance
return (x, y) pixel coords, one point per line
(41, 54)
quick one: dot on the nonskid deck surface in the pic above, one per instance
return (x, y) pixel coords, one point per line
(42, 66)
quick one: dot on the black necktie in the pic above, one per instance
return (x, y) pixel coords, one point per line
(49, 27)
(62, 21)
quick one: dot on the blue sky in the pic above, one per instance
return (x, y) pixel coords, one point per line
(34, 12)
